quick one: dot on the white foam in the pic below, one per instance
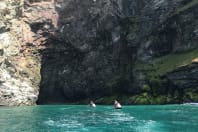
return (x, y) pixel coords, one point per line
(49, 123)
(190, 103)
(149, 126)
(63, 123)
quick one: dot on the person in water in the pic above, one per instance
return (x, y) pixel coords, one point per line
(92, 104)
(117, 105)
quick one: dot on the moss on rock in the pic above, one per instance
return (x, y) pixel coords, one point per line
(106, 100)
(191, 95)
(156, 83)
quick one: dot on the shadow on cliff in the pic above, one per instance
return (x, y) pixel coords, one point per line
(80, 60)
(58, 58)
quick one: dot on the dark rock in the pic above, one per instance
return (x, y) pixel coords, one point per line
(1, 52)
(97, 43)
(185, 77)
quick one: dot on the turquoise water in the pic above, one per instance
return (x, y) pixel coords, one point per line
(165, 118)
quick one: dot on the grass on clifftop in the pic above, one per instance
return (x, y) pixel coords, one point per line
(168, 63)
(185, 7)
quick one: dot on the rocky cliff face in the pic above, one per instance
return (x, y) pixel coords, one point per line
(88, 55)
(19, 61)
(136, 50)
(108, 48)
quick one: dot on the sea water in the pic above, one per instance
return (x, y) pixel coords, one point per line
(82, 118)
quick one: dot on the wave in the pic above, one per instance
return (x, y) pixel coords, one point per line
(190, 104)
(63, 123)
(149, 126)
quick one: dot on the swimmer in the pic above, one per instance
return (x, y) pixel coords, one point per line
(92, 104)
(117, 105)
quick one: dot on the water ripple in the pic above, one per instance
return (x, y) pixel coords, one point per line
(178, 118)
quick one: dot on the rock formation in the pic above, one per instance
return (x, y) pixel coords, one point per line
(139, 51)
(19, 60)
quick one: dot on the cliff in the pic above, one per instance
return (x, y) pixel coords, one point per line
(138, 51)
(19, 61)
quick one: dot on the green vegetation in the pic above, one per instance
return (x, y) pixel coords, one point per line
(185, 7)
(106, 100)
(145, 98)
(154, 91)
(191, 94)
(156, 85)
(146, 88)
(165, 64)
(142, 99)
